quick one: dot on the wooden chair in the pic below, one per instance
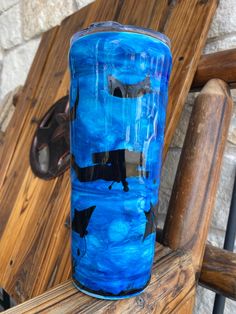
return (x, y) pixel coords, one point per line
(178, 264)
(34, 232)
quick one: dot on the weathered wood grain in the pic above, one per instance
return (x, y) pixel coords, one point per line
(195, 185)
(185, 21)
(172, 281)
(187, 304)
(218, 271)
(220, 65)
(34, 233)
(9, 148)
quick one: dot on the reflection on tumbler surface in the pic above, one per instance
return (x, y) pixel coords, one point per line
(118, 98)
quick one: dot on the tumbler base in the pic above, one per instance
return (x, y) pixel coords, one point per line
(108, 297)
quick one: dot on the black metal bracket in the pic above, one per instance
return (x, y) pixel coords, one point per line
(5, 301)
(50, 149)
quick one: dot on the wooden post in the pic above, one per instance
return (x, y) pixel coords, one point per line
(218, 271)
(198, 172)
(220, 64)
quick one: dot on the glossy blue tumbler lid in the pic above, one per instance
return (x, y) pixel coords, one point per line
(117, 27)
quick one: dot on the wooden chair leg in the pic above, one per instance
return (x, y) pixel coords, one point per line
(195, 186)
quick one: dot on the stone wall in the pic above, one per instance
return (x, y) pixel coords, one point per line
(21, 25)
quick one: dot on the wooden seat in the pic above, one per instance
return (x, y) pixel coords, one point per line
(34, 214)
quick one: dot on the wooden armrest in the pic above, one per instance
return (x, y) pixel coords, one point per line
(171, 286)
(219, 271)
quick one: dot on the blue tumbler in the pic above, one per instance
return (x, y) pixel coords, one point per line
(118, 99)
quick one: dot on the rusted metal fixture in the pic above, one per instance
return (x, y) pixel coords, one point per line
(49, 153)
